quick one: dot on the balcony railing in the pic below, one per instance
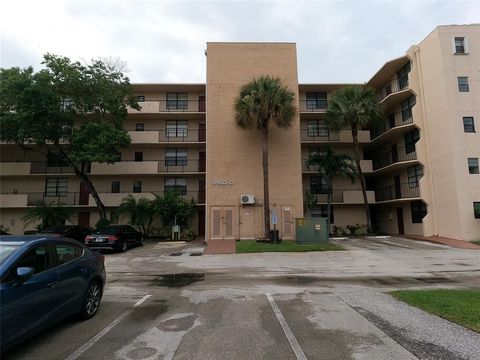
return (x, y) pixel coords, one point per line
(318, 134)
(394, 192)
(336, 197)
(153, 136)
(76, 198)
(163, 105)
(392, 157)
(314, 105)
(393, 86)
(394, 120)
(181, 166)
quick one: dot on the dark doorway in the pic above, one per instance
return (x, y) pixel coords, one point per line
(401, 229)
(394, 154)
(201, 161)
(201, 191)
(201, 104)
(398, 190)
(202, 136)
(83, 197)
(201, 221)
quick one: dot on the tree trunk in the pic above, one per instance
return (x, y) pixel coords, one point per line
(360, 174)
(329, 200)
(83, 176)
(266, 199)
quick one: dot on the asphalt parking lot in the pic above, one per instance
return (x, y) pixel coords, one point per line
(164, 301)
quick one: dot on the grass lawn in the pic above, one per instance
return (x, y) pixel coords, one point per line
(251, 246)
(459, 306)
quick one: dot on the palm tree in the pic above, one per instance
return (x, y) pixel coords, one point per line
(51, 214)
(140, 212)
(357, 107)
(264, 100)
(330, 165)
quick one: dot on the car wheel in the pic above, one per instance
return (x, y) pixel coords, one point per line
(124, 246)
(91, 303)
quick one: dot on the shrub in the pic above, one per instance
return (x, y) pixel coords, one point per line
(101, 223)
(188, 234)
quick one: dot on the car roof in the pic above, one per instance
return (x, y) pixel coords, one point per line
(23, 239)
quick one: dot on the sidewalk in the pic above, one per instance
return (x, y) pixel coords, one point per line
(459, 244)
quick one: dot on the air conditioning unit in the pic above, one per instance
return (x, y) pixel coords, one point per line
(247, 199)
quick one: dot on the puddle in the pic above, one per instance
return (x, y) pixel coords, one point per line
(376, 281)
(149, 311)
(435, 280)
(196, 254)
(179, 280)
(176, 254)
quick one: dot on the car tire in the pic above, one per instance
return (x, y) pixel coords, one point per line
(91, 301)
(124, 246)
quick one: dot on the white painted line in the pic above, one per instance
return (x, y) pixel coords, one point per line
(286, 329)
(97, 337)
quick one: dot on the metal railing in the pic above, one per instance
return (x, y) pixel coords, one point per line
(394, 120)
(399, 191)
(311, 198)
(391, 87)
(179, 105)
(318, 134)
(76, 198)
(314, 105)
(168, 135)
(180, 165)
(42, 167)
(392, 157)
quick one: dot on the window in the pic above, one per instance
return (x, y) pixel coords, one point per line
(139, 127)
(476, 210)
(468, 124)
(37, 258)
(115, 186)
(137, 186)
(318, 185)
(402, 76)
(177, 101)
(138, 156)
(414, 173)
(418, 210)
(140, 98)
(177, 128)
(67, 252)
(177, 185)
(463, 84)
(317, 128)
(56, 187)
(320, 211)
(410, 140)
(407, 106)
(316, 100)
(56, 160)
(473, 166)
(175, 157)
(460, 45)
(320, 151)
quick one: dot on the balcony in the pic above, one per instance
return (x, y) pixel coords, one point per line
(152, 167)
(314, 105)
(320, 135)
(339, 196)
(394, 156)
(394, 126)
(181, 167)
(394, 92)
(33, 167)
(162, 105)
(366, 166)
(14, 168)
(396, 192)
(85, 199)
(168, 136)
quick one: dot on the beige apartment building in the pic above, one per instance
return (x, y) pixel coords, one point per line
(421, 164)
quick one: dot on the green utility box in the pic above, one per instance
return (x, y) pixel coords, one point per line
(311, 230)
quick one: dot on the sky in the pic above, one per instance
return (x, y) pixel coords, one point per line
(164, 41)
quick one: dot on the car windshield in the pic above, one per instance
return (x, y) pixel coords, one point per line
(6, 250)
(108, 230)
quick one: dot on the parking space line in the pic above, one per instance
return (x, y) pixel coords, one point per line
(109, 327)
(286, 329)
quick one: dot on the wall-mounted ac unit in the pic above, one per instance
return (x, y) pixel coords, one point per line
(247, 199)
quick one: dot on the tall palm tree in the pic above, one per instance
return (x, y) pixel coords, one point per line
(357, 107)
(140, 212)
(264, 100)
(51, 214)
(330, 165)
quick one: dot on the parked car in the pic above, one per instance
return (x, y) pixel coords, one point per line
(75, 232)
(114, 237)
(44, 280)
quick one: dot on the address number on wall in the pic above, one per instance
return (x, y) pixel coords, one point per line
(221, 182)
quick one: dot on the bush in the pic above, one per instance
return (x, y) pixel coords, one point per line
(101, 223)
(165, 232)
(360, 229)
(355, 230)
(188, 234)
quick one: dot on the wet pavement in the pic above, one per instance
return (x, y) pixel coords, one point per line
(326, 305)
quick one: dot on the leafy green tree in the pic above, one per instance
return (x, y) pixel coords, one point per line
(330, 165)
(140, 212)
(72, 110)
(261, 102)
(51, 214)
(356, 107)
(172, 207)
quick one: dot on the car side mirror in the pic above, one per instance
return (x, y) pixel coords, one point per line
(24, 273)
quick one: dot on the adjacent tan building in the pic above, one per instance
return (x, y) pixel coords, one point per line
(421, 165)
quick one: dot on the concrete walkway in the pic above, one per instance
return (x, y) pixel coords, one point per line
(459, 244)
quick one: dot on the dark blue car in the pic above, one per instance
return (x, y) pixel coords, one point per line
(44, 280)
